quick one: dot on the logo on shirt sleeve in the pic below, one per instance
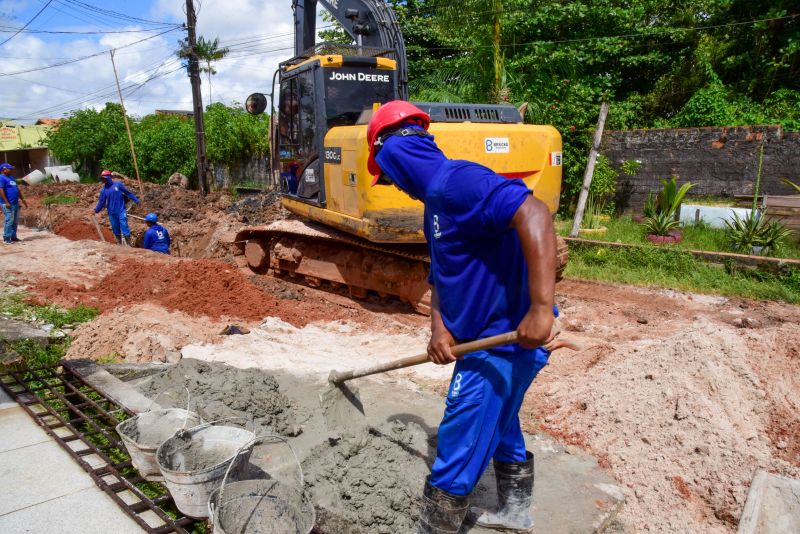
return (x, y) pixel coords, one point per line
(436, 232)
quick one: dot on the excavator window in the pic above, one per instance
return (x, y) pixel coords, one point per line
(298, 140)
(349, 91)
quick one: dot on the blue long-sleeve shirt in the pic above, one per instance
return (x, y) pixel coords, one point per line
(113, 196)
(156, 238)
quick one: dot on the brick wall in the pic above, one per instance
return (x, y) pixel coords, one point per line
(720, 161)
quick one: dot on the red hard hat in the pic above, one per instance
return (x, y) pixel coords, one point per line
(105, 173)
(391, 115)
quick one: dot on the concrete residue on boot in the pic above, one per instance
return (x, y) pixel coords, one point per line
(370, 483)
(220, 391)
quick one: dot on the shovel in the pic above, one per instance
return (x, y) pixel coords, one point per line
(340, 402)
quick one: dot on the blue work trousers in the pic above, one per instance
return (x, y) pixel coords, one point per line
(11, 218)
(481, 419)
(119, 223)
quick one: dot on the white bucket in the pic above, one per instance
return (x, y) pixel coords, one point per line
(143, 434)
(35, 177)
(193, 463)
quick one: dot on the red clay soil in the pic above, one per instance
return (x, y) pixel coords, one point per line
(77, 229)
(198, 288)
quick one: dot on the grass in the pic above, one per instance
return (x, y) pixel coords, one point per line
(700, 237)
(36, 355)
(49, 200)
(13, 304)
(676, 269)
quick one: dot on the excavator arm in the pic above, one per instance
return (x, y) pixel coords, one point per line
(371, 23)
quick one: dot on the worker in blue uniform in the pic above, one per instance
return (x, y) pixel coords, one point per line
(492, 249)
(10, 197)
(113, 197)
(156, 238)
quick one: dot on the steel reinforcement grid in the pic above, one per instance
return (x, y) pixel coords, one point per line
(83, 420)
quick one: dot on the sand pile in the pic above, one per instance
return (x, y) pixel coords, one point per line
(317, 348)
(141, 333)
(682, 422)
(220, 391)
(371, 483)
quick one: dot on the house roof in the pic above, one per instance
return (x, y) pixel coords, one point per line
(15, 136)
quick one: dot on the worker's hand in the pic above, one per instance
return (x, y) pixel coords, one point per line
(439, 346)
(7, 205)
(536, 328)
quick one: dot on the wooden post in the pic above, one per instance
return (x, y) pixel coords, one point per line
(587, 176)
(127, 126)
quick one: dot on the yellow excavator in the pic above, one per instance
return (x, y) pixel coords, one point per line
(347, 232)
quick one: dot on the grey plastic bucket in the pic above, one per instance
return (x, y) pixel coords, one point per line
(193, 463)
(261, 505)
(143, 434)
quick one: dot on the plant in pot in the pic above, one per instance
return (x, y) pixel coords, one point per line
(753, 234)
(592, 223)
(662, 224)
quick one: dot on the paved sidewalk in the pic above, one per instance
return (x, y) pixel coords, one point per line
(43, 490)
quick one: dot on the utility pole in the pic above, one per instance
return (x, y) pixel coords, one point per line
(587, 175)
(127, 126)
(197, 98)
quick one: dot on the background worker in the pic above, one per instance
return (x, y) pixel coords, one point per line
(113, 197)
(493, 249)
(156, 238)
(11, 196)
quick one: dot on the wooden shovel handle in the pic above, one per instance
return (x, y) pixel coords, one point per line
(337, 377)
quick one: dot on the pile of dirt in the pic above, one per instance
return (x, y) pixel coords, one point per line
(198, 288)
(140, 333)
(79, 229)
(683, 423)
(219, 391)
(369, 483)
(257, 209)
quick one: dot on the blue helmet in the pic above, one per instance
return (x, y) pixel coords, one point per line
(151, 217)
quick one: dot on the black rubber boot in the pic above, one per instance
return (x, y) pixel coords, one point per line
(127, 240)
(514, 498)
(442, 512)
(118, 239)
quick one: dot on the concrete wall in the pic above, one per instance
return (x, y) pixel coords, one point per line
(721, 162)
(254, 169)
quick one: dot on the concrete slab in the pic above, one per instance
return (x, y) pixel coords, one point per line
(12, 330)
(89, 511)
(6, 401)
(117, 390)
(38, 473)
(571, 494)
(772, 507)
(19, 430)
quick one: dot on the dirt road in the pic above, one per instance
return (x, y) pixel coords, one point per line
(680, 396)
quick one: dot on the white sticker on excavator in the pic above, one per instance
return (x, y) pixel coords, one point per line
(555, 159)
(497, 145)
(309, 176)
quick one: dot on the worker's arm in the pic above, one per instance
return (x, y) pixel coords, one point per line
(441, 338)
(4, 197)
(101, 202)
(148, 240)
(21, 199)
(533, 223)
(129, 194)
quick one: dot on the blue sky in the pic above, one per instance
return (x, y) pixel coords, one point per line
(43, 75)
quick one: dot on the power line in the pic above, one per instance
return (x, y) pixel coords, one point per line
(84, 32)
(82, 58)
(29, 22)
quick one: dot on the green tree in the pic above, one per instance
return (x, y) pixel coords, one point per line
(82, 137)
(234, 135)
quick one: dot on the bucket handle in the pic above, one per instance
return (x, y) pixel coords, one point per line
(167, 391)
(215, 421)
(246, 446)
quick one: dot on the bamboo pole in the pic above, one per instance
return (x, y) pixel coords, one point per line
(127, 126)
(587, 175)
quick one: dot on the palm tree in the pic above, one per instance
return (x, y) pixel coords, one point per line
(206, 52)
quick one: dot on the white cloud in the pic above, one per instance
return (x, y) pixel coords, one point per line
(266, 26)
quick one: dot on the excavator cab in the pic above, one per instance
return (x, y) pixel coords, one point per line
(321, 90)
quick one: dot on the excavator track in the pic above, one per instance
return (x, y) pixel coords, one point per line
(320, 254)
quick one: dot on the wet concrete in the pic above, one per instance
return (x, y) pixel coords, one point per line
(371, 482)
